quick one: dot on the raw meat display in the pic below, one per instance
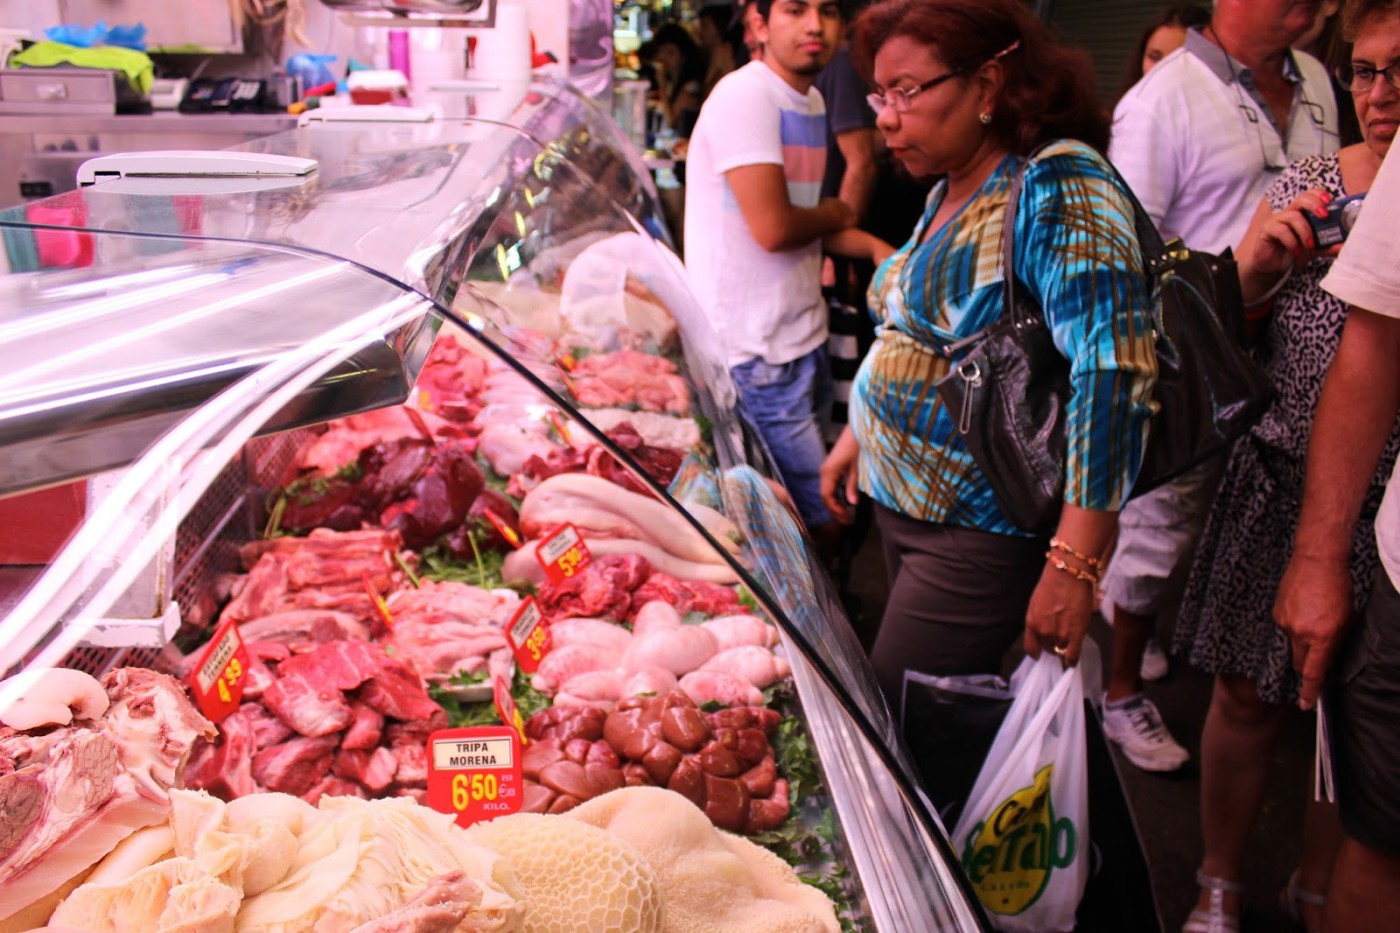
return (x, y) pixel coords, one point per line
(523, 566)
(582, 456)
(576, 876)
(273, 863)
(345, 439)
(627, 377)
(87, 773)
(714, 882)
(722, 762)
(447, 628)
(353, 721)
(325, 570)
(598, 508)
(643, 859)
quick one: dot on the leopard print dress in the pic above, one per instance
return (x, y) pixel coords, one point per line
(1225, 623)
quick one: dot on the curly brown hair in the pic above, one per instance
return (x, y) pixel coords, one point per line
(1049, 91)
(1356, 13)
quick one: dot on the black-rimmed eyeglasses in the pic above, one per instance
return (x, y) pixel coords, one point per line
(1359, 78)
(897, 98)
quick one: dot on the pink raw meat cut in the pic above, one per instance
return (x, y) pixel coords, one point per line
(602, 590)
(298, 625)
(655, 615)
(345, 438)
(226, 769)
(592, 688)
(71, 795)
(332, 786)
(310, 709)
(374, 769)
(295, 766)
(758, 666)
(735, 630)
(680, 649)
(563, 664)
(412, 764)
(337, 665)
(686, 595)
(396, 691)
(366, 728)
(256, 679)
(718, 687)
(267, 729)
(596, 632)
(656, 681)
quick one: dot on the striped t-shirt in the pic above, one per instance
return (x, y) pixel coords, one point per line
(763, 305)
(1077, 254)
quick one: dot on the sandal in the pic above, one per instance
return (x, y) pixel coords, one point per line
(1214, 919)
(1294, 898)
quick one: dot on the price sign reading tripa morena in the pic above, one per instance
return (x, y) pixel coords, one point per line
(562, 553)
(474, 773)
(528, 634)
(218, 674)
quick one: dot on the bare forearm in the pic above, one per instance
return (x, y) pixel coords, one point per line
(1353, 420)
(804, 225)
(856, 244)
(857, 185)
(1088, 532)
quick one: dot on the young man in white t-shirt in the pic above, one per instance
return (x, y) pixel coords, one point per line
(1355, 415)
(754, 225)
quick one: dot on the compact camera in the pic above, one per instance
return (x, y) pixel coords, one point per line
(1341, 217)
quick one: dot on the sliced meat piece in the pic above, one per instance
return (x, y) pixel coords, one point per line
(718, 687)
(366, 727)
(758, 666)
(295, 766)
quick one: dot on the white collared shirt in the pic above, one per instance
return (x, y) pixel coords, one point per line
(1199, 147)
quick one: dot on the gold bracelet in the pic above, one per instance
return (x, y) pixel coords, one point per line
(1088, 576)
(1069, 549)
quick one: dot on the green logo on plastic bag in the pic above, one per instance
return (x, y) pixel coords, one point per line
(1010, 855)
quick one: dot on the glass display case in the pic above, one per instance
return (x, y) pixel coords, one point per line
(417, 369)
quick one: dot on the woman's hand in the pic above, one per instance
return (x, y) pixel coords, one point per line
(838, 477)
(1277, 242)
(1058, 616)
(1062, 604)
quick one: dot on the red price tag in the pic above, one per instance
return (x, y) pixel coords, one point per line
(562, 553)
(504, 530)
(506, 709)
(380, 606)
(474, 773)
(528, 634)
(218, 674)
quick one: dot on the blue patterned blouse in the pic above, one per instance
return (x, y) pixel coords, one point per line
(1077, 254)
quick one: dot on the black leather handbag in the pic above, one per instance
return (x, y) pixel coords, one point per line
(1009, 382)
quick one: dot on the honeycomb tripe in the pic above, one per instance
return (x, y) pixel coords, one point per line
(576, 877)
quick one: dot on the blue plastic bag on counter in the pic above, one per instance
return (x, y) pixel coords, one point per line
(87, 37)
(313, 69)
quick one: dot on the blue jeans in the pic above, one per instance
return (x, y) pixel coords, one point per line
(790, 404)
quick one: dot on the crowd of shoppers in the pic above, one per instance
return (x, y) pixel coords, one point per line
(1227, 131)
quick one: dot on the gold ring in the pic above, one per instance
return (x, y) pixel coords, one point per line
(1060, 650)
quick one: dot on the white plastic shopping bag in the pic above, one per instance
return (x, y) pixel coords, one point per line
(1024, 835)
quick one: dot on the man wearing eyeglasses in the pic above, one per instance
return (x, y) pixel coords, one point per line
(754, 227)
(1199, 139)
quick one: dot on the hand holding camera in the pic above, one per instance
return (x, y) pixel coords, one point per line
(1332, 228)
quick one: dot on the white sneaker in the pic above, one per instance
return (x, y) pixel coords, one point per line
(1137, 728)
(1154, 661)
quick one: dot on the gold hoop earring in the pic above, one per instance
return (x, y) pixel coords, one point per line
(985, 116)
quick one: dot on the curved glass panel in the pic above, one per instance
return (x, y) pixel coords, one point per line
(553, 368)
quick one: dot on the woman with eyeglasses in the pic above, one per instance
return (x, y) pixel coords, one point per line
(973, 91)
(1225, 624)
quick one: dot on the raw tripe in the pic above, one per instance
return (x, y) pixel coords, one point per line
(713, 882)
(576, 876)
